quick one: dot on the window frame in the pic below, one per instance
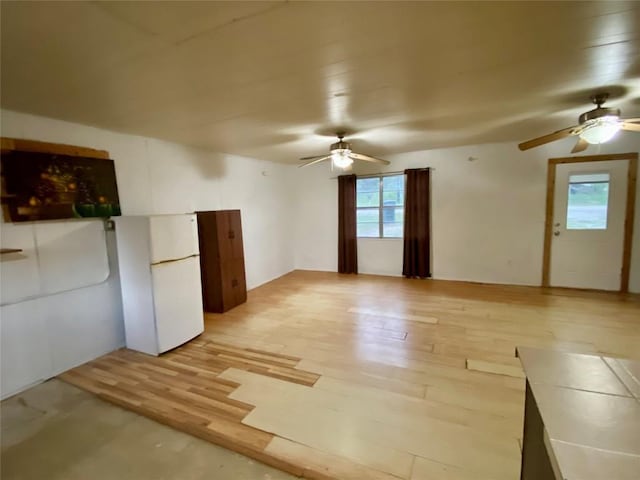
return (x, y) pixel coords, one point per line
(380, 205)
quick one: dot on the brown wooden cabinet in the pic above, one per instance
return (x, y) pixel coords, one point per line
(221, 260)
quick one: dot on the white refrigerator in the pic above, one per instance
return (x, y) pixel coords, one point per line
(159, 262)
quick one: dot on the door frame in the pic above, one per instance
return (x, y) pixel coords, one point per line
(632, 173)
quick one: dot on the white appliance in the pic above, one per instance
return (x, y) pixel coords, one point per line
(159, 261)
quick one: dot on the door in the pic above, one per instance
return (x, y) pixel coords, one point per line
(588, 224)
(177, 300)
(173, 237)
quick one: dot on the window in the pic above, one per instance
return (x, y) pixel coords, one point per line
(380, 206)
(587, 201)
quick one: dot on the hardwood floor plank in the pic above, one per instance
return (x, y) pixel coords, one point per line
(498, 402)
(216, 395)
(495, 367)
(322, 430)
(321, 465)
(241, 433)
(265, 357)
(424, 469)
(293, 360)
(393, 314)
(363, 378)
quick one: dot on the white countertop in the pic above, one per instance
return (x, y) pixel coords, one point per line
(590, 406)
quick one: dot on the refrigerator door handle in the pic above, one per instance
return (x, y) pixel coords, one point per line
(175, 259)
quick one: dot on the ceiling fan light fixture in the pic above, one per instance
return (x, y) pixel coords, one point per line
(340, 157)
(601, 130)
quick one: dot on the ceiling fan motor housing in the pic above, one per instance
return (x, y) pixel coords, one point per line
(341, 146)
(599, 113)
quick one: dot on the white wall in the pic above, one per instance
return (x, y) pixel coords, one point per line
(487, 214)
(43, 337)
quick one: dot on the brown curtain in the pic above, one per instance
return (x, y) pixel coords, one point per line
(347, 237)
(417, 246)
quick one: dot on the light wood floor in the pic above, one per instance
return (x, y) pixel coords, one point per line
(354, 377)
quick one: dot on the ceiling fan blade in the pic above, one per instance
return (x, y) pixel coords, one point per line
(368, 158)
(630, 127)
(313, 157)
(580, 146)
(315, 160)
(552, 137)
(630, 120)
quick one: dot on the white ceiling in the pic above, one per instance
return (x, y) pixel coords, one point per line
(272, 79)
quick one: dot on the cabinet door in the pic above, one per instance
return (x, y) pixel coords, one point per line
(233, 284)
(209, 261)
(239, 282)
(228, 284)
(224, 233)
(235, 232)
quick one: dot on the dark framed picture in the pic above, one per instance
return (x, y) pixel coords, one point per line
(43, 186)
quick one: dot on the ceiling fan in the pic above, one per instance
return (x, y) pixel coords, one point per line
(341, 155)
(596, 126)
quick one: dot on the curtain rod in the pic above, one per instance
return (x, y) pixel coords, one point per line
(387, 174)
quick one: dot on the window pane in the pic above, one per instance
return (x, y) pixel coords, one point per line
(395, 182)
(368, 199)
(368, 222)
(587, 202)
(368, 192)
(393, 190)
(393, 222)
(368, 184)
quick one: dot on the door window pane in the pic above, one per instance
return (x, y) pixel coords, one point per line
(587, 201)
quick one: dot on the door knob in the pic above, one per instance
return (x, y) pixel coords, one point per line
(556, 233)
